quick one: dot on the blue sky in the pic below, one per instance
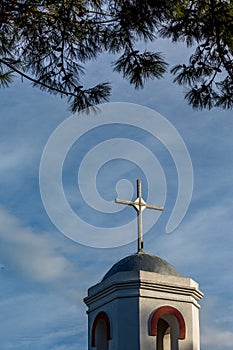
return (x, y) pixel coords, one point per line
(44, 275)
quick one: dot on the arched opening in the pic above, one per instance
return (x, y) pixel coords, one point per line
(163, 339)
(100, 331)
(101, 335)
(167, 333)
(168, 325)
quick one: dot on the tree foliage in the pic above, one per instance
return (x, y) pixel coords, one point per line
(50, 42)
(208, 26)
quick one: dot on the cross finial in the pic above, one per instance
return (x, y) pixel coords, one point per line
(139, 204)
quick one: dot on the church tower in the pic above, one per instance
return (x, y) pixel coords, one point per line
(142, 303)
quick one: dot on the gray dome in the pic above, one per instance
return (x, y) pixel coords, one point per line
(142, 261)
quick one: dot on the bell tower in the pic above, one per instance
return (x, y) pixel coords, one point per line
(143, 303)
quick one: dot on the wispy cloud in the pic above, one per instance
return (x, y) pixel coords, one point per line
(41, 293)
(35, 320)
(33, 254)
(217, 332)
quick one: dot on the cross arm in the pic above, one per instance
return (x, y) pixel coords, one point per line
(122, 201)
(142, 204)
(154, 207)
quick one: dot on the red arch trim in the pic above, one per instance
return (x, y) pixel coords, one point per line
(100, 316)
(167, 310)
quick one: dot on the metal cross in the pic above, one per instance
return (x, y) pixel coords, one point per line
(139, 204)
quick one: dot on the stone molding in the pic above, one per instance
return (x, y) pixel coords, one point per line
(143, 284)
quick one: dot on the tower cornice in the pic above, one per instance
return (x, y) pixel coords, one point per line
(143, 284)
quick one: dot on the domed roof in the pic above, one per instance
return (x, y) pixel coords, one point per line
(142, 261)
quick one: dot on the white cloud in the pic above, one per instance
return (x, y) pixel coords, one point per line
(40, 321)
(35, 255)
(14, 158)
(41, 293)
(207, 228)
(216, 330)
(217, 338)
